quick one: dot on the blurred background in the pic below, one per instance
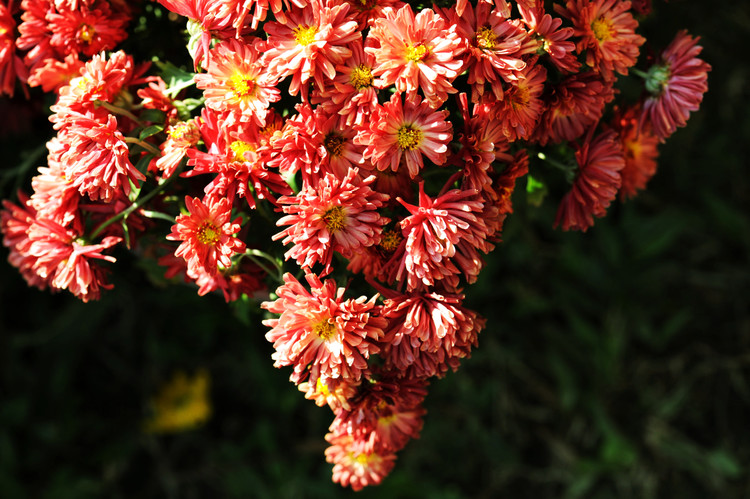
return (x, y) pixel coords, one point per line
(615, 363)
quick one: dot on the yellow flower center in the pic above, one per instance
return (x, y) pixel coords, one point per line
(86, 33)
(486, 38)
(179, 131)
(408, 138)
(520, 98)
(324, 329)
(335, 218)
(242, 85)
(239, 148)
(390, 240)
(305, 35)
(602, 29)
(416, 53)
(334, 144)
(208, 233)
(322, 388)
(361, 77)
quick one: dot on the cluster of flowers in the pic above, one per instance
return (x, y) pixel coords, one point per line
(383, 142)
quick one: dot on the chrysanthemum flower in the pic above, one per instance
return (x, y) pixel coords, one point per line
(600, 161)
(356, 468)
(334, 215)
(12, 67)
(385, 413)
(55, 196)
(308, 43)
(573, 106)
(335, 394)
(15, 222)
(416, 52)
(205, 23)
(640, 147)
(521, 105)
(320, 333)
(676, 84)
(553, 41)
(497, 199)
(207, 234)
(607, 34)
(495, 44)
(238, 158)
(88, 29)
(181, 136)
(298, 146)
(432, 232)
(400, 134)
(428, 333)
(365, 12)
(96, 156)
(236, 82)
(351, 93)
(55, 74)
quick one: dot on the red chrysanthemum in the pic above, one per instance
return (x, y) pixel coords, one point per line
(607, 34)
(207, 235)
(553, 41)
(320, 333)
(308, 43)
(12, 67)
(334, 215)
(416, 52)
(432, 232)
(401, 134)
(676, 84)
(600, 161)
(640, 147)
(236, 82)
(521, 106)
(354, 467)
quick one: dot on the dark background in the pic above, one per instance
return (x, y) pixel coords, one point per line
(615, 363)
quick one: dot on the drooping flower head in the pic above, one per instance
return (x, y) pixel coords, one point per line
(640, 147)
(600, 160)
(355, 467)
(676, 85)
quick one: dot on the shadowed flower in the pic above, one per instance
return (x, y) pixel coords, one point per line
(676, 84)
(354, 467)
(600, 161)
(182, 404)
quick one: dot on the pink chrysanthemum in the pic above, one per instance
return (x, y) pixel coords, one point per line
(432, 232)
(428, 333)
(207, 235)
(95, 156)
(55, 197)
(12, 67)
(496, 45)
(573, 106)
(600, 161)
(351, 93)
(236, 153)
(607, 34)
(385, 413)
(354, 467)
(236, 82)
(319, 333)
(401, 134)
(676, 84)
(308, 43)
(522, 105)
(181, 136)
(48, 254)
(416, 52)
(334, 215)
(553, 41)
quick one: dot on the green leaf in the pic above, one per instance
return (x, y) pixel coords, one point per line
(149, 131)
(177, 79)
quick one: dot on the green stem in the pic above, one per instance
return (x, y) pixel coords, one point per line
(130, 209)
(153, 150)
(117, 110)
(639, 72)
(159, 215)
(254, 255)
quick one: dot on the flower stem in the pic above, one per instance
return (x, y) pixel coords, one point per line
(117, 110)
(256, 255)
(133, 207)
(150, 148)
